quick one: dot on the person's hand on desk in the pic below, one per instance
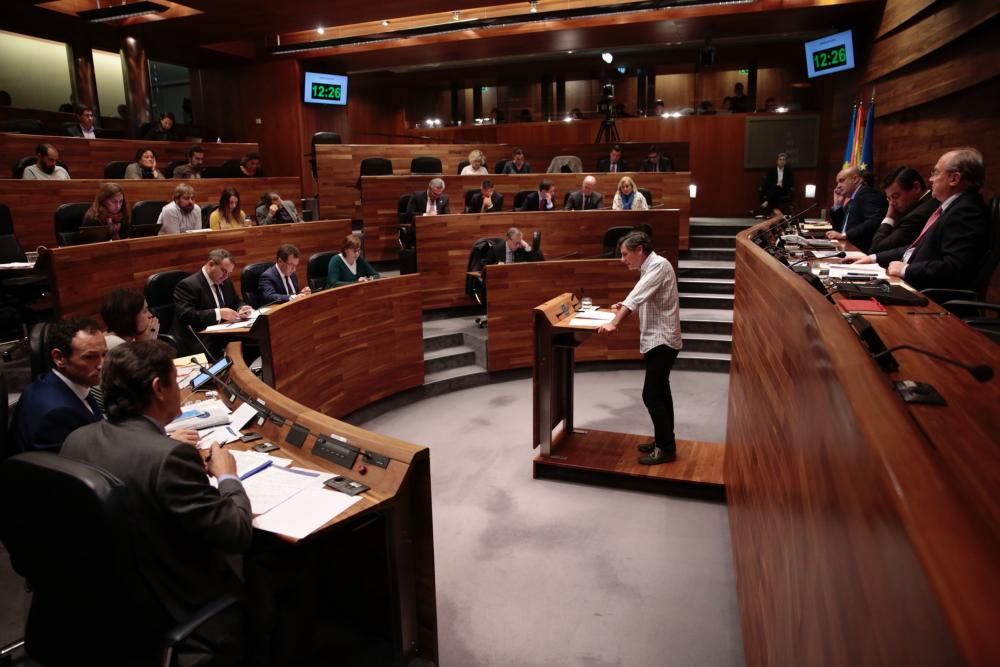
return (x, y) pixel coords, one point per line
(836, 236)
(244, 312)
(858, 258)
(220, 462)
(896, 269)
(607, 328)
(188, 436)
(228, 315)
(305, 291)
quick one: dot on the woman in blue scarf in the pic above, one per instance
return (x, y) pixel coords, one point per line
(628, 197)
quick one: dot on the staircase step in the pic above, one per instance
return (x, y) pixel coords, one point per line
(448, 358)
(706, 321)
(712, 241)
(699, 254)
(723, 301)
(706, 269)
(707, 342)
(707, 285)
(702, 361)
(442, 341)
(726, 227)
(454, 379)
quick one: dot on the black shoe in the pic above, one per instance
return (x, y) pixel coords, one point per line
(658, 456)
(647, 448)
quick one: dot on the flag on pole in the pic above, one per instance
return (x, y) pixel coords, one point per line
(858, 135)
(866, 148)
(850, 138)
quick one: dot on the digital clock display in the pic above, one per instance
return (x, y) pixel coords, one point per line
(325, 88)
(827, 55)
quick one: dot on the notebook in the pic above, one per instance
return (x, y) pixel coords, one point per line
(862, 307)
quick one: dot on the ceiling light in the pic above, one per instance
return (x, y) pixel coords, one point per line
(570, 51)
(118, 12)
(782, 110)
(622, 69)
(456, 15)
(568, 119)
(385, 23)
(320, 30)
(534, 6)
(607, 57)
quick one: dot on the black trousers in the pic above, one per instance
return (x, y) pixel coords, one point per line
(657, 397)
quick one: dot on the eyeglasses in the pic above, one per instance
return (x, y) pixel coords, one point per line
(937, 172)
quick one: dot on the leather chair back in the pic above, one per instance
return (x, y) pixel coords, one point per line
(462, 165)
(69, 217)
(520, 197)
(159, 293)
(147, 212)
(250, 283)
(23, 126)
(612, 239)
(376, 166)
(168, 172)
(317, 267)
(10, 249)
(6, 220)
(647, 195)
(425, 165)
(115, 170)
(206, 213)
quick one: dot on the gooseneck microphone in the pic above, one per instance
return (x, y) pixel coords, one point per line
(982, 372)
(208, 355)
(840, 254)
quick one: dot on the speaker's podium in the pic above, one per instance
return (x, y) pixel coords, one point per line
(600, 457)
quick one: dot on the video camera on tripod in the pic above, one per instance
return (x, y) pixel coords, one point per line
(608, 132)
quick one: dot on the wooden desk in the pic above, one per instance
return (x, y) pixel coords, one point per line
(33, 203)
(388, 537)
(343, 348)
(381, 198)
(82, 276)
(444, 242)
(86, 157)
(864, 530)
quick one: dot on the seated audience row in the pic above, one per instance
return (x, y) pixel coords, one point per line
(655, 161)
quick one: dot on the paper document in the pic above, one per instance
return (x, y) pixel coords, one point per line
(221, 434)
(853, 270)
(273, 486)
(305, 512)
(583, 322)
(601, 315)
(17, 265)
(242, 416)
(242, 324)
(201, 415)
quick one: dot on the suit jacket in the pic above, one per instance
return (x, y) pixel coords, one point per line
(498, 254)
(531, 203)
(575, 201)
(951, 251)
(76, 131)
(264, 216)
(418, 205)
(272, 285)
(182, 526)
(47, 412)
(771, 179)
(863, 215)
(476, 203)
(194, 305)
(666, 164)
(907, 229)
(604, 165)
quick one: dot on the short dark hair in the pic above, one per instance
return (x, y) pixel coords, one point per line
(250, 156)
(43, 149)
(167, 114)
(635, 240)
(906, 177)
(517, 151)
(546, 184)
(287, 250)
(139, 153)
(486, 184)
(219, 255)
(59, 335)
(83, 107)
(120, 309)
(197, 148)
(128, 375)
(617, 148)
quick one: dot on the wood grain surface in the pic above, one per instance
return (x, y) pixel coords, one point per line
(346, 347)
(83, 275)
(33, 203)
(86, 158)
(862, 529)
(444, 242)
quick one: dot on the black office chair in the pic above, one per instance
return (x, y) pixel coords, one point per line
(612, 240)
(469, 194)
(168, 171)
(23, 126)
(316, 269)
(206, 213)
(230, 169)
(18, 292)
(426, 165)
(498, 169)
(475, 285)
(143, 129)
(462, 165)
(159, 293)
(26, 162)
(6, 220)
(647, 195)
(214, 171)
(38, 353)
(147, 212)
(115, 170)
(68, 218)
(97, 601)
(376, 166)
(321, 138)
(566, 197)
(520, 197)
(250, 283)
(536, 244)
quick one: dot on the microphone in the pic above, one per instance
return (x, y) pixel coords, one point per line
(840, 254)
(982, 372)
(208, 355)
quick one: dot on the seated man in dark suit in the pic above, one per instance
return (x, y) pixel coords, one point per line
(949, 249)
(84, 127)
(858, 209)
(280, 282)
(657, 162)
(586, 198)
(776, 187)
(910, 205)
(614, 162)
(514, 249)
(543, 200)
(183, 528)
(59, 402)
(432, 201)
(487, 200)
(207, 297)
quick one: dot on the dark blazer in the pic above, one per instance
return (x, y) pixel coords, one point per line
(272, 285)
(498, 254)
(418, 205)
(476, 203)
(771, 180)
(951, 251)
(604, 165)
(531, 203)
(337, 272)
(194, 305)
(666, 164)
(182, 526)
(863, 214)
(907, 229)
(575, 201)
(511, 168)
(46, 413)
(76, 131)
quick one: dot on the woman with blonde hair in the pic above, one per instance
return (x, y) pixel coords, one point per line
(476, 166)
(229, 215)
(628, 197)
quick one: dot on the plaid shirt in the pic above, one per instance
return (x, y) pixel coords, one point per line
(655, 297)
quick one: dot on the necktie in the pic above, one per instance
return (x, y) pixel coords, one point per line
(614, 167)
(288, 286)
(541, 203)
(847, 215)
(930, 223)
(218, 295)
(91, 402)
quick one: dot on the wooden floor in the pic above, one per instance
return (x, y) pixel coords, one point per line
(611, 459)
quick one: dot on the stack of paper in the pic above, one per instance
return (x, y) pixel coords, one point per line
(305, 512)
(201, 415)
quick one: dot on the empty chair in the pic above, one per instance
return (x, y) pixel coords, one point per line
(565, 163)
(6, 220)
(536, 243)
(462, 165)
(143, 129)
(168, 172)
(68, 219)
(498, 169)
(647, 195)
(250, 283)
(520, 197)
(206, 213)
(317, 268)
(376, 166)
(426, 165)
(160, 296)
(230, 169)
(23, 126)
(612, 240)
(407, 237)
(147, 212)
(115, 170)
(469, 194)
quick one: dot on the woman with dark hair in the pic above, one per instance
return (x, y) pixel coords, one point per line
(109, 210)
(163, 130)
(144, 165)
(127, 317)
(229, 215)
(349, 266)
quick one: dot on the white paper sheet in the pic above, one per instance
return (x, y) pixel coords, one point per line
(273, 486)
(581, 322)
(242, 415)
(305, 512)
(600, 315)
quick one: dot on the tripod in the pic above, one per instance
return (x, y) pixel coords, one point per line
(607, 133)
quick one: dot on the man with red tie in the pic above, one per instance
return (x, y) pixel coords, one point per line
(951, 246)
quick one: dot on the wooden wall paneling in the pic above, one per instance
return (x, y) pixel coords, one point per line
(362, 343)
(676, 90)
(444, 243)
(843, 504)
(33, 203)
(86, 157)
(279, 83)
(381, 195)
(898, 12)
(83, 275)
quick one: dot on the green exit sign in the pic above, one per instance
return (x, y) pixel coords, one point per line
(483, 89)
(744, 71)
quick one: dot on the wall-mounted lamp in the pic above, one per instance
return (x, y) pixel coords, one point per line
(693, 190)
(810, 191)
(607, 57)
(456, 15)
(320, 30)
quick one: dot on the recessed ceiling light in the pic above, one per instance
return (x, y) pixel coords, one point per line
(320, 30)
(570, 51)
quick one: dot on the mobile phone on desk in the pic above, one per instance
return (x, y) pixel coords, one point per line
(266, 447)
(250, 437)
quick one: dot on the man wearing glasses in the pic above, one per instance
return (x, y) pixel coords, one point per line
(207, 297)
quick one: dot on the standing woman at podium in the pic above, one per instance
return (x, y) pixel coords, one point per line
(655, 297)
